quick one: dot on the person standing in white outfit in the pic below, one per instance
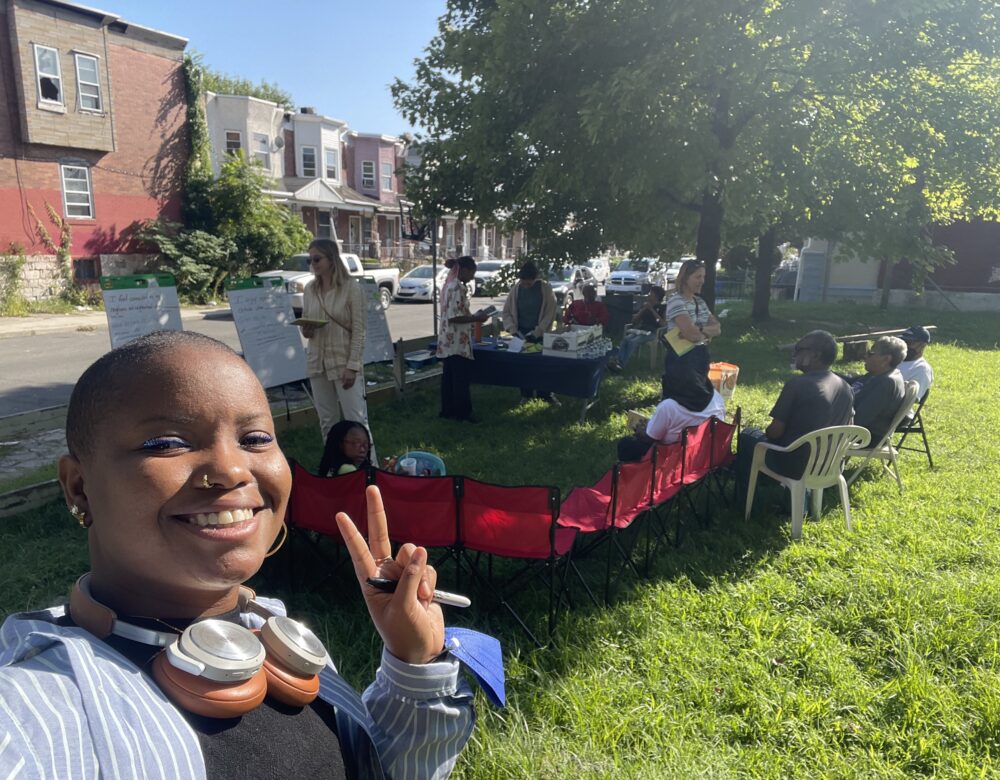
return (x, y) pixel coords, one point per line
(334, 355)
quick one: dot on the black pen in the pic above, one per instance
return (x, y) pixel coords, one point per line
(440, 596)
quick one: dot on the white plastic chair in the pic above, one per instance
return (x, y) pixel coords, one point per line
(884, 450)
(828, 448)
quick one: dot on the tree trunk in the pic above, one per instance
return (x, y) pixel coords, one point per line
(709, 241)
(887, 265)
(762, 275)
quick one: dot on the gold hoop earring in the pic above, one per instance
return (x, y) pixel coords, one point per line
(79, 515)
(284, 536)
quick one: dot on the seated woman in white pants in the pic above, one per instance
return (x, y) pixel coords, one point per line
(333, 359)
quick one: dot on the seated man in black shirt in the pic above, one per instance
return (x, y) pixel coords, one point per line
(879, 392)
(818, 398)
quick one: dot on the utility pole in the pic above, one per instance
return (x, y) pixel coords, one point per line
(434, 272)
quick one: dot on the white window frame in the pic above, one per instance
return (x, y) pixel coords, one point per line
(58, 77)
(66, 193)
(368, 174)
(262, 149)
(80, 83)
(239, 140)
(327, 151)
(386, 177)
(302, 161)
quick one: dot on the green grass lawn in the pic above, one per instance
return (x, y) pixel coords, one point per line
(867, 654)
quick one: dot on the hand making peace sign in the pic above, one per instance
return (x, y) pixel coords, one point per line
(410, 623)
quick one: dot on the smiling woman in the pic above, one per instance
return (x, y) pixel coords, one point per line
(174, 472)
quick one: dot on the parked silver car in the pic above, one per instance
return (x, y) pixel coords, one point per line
(420, 284)
(600, 268)
(487, 269)
(567, 283)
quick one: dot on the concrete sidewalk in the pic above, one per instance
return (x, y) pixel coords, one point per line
(35, 324)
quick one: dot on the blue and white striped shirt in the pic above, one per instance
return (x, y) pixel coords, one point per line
(73, 707)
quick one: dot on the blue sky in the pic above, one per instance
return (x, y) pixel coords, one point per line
(337, 55)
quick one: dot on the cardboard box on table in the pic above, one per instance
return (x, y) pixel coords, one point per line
(571, 340)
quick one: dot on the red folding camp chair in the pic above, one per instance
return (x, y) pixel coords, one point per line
(588, 508)
(631, 495)
(722, 454)
(315, 501)
(668, 467)
(603, 511)
(697, 440)
(519, 524)
(421, 510)
(696, 463)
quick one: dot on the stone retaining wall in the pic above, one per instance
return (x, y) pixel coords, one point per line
(40, 277)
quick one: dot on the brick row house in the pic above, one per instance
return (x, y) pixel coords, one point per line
(344, 184)
(94, 125)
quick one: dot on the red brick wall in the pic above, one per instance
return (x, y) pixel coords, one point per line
(141, 179)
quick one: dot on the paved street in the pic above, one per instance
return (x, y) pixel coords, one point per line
(39, 369)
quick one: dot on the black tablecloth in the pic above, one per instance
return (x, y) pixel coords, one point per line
(534, 371)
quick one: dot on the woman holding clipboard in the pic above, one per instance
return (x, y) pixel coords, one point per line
(333, 358)
(690, 324)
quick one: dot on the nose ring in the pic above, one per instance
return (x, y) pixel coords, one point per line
(205, 483)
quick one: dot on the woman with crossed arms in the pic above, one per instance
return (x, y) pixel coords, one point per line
(688, 313)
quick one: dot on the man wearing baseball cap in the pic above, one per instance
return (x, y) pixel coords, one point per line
(914, 365)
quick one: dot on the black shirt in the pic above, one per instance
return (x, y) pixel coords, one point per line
(808, 402)
(271, 741)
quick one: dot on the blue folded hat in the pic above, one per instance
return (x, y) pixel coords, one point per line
(481, 655)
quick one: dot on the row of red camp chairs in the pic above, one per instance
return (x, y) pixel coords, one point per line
(465, 517)
(473, 522)
(649, 487)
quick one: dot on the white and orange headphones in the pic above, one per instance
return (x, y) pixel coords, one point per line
(216, 668)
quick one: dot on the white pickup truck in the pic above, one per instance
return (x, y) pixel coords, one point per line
(635, 275)
(295, 273)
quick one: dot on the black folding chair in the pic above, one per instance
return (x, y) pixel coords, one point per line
(915, 425)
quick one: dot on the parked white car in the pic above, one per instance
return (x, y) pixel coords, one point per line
(635, 276)
(295, 273)
(420, 284)
(487, 269)
(674, 268)
(600, 268)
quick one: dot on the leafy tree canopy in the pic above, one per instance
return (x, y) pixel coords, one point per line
(658, 125)
(234, 230)
(224, 84)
